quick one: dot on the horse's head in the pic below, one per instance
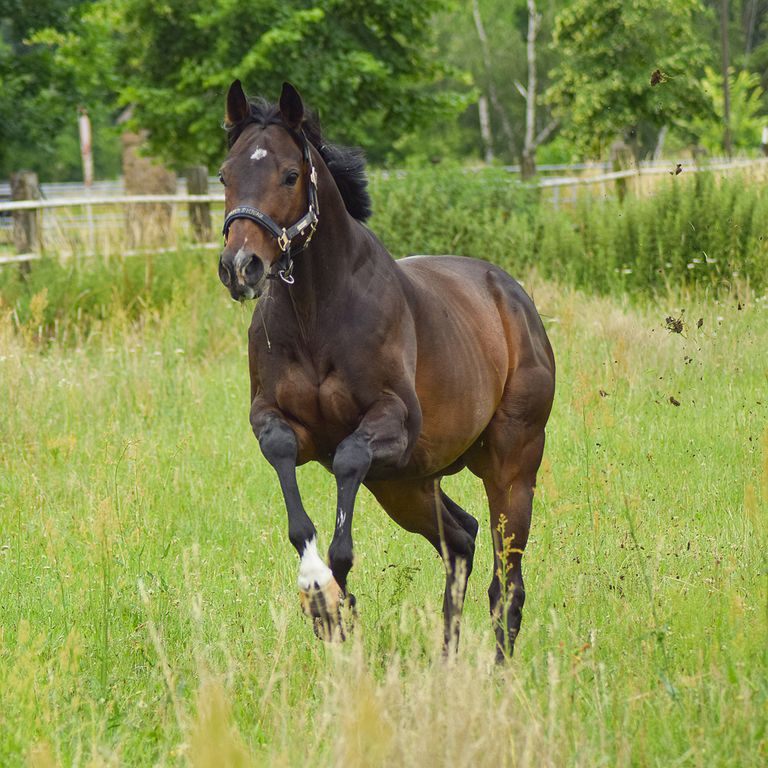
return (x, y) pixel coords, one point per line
(270, 193)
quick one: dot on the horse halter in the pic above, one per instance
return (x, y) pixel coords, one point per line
(285, 235)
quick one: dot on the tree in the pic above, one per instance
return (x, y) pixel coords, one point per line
(531, 94)
(40, 91)
(747, 110)
(602, 85)
(367, 66)
(492, 40)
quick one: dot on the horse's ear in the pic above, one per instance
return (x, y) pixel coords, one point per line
(237, 104)
(291, 106)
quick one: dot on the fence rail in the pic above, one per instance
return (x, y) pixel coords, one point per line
(84, 202)
(73, 196)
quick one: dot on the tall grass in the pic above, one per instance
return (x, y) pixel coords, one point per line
(696, 230)
(148, 609)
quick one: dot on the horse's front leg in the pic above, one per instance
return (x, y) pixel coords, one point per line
(319, 593)
(381, 441)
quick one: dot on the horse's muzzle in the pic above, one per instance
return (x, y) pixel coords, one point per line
(242, 273)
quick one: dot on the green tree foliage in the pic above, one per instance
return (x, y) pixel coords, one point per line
(506, 25)
(747, 111)
(608, 51)
(369, 67)
(398, 77)
(43, 82)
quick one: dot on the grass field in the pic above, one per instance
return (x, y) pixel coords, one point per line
(148, 600)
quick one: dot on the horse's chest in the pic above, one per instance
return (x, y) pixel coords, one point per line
(318, 404)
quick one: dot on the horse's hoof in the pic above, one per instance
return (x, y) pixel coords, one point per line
(333, 613)
(329, 630)
(324, 606)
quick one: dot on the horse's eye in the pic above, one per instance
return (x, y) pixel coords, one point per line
(291, 178)
(221, 178)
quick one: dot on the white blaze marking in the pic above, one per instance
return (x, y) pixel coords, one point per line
(312, 570)
(242, 257)
(259, 153)
(340, 518)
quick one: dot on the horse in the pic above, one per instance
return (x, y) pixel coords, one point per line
(390, 373)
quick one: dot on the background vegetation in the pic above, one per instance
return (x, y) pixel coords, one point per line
(696, 231)
(402, 79)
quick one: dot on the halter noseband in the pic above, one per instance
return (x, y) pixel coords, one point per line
(285, 235)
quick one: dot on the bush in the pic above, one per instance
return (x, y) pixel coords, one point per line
(69, 299)
(694, 231)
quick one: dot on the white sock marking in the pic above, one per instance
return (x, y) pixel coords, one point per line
(313, 572)
(259, 153)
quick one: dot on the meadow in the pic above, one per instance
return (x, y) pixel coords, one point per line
(148, 600)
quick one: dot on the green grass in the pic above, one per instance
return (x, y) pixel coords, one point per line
(148, 604)
(701, 229)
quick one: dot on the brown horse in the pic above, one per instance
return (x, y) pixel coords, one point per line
(389, 373)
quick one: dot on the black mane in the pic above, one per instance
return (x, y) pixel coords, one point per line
(346, 164)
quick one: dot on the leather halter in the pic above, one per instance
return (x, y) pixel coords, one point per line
(285, 235)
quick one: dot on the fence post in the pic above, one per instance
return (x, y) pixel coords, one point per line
(621, 160)
(199, 213)
(27, 225)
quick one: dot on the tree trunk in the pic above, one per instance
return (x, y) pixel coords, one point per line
(528, 165)
(751, 24)
(485, 128)
(727, 143)
(506, 127)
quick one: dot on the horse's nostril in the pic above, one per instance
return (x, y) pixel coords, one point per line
(253, 269)
(223, 273)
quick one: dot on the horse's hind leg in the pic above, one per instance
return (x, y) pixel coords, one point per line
(421, 507)
(510, 499)
(464, 519)
(507, 457)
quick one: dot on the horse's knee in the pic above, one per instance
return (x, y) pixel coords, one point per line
(463, 518)
(277, 442)
(352, 459)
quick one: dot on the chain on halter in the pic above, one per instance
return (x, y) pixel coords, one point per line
(285, 236)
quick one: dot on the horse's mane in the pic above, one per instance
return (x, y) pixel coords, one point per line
(346, 164)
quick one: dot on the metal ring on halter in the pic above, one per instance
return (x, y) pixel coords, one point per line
(286, 275)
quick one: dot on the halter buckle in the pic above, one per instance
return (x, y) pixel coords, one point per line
(284, 242)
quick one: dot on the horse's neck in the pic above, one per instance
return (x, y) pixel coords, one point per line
(342, 254)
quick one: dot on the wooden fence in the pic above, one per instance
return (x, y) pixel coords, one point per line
(34, 221)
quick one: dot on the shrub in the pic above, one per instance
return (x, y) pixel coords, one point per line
(694, 231)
